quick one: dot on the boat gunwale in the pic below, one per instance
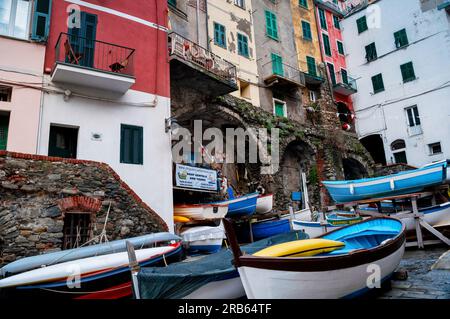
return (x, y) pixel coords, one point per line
(325, 263)
(199, 205)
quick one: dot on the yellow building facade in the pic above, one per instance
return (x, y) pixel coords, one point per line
(231, 37)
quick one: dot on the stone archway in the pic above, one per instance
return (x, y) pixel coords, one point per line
(353, 169)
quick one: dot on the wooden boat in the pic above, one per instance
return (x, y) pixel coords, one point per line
(373, 245)
(333, 222)
(201, 211)
(397, 184)
(264, 204)
(208, 277)
(203, 239)
(115, 246)
(241, 206)
(435, 216)
(270, 228)
(100, 277)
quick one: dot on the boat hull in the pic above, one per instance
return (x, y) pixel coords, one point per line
(241, 206)
(435, 216)
(264, 204)
(231, 288)
(270, 228)
(332, 284)
(398, 184)
(203, 239)
(201, 212)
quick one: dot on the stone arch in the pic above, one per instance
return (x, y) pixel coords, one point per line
(79, 203)
(354, 169)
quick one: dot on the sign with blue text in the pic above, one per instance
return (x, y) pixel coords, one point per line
(196, 178)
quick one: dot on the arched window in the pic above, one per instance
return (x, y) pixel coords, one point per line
(398, 148)
(398, 145)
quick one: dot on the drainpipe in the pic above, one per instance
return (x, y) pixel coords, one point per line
(207, 26)
(198, 23)
(41, 110)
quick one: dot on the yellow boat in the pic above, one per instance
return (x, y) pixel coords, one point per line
(300, 248)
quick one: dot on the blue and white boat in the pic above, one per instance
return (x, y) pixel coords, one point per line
(270, 228)
(436, 216)
(370, 252)
(397, 184)
(203, 239)
(333, 222)
(240, 206)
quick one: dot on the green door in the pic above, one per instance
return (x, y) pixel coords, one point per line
(279, 109)
(82, 39)
(332, 73)
(277, 64)
(311, 63)
(4, 123)
(63, 142)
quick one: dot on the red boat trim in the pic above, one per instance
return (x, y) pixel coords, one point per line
(115, 292)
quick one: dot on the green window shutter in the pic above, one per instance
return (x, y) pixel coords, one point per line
(340, 47)
(344, 76)
(371, 52)
(323, 20)
(279, 109)
(131, 144)
(332, 73)
(303, 3)
(173, 2)
(306, 27)
(361, 23)
(277, 64)
(326, 44)
(271, 25)
(4, 123)
(378, 84)
(311, 63)
(408, 73)
(337, 25)
(401, 38)
(219, 35)
(242, 45)
(41, 20)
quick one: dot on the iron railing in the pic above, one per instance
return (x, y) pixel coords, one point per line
(312, 70)
(194, 53)
(94, 54)
(344, 80)
(273, 68)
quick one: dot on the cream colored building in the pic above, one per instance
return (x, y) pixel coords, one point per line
(231, 37)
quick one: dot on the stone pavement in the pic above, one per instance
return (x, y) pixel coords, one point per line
(425, 281)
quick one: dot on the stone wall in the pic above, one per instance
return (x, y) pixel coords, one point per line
(37, 191)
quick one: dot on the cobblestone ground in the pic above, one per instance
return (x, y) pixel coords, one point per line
(422, 282)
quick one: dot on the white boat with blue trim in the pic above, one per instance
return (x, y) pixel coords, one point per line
(396, 184)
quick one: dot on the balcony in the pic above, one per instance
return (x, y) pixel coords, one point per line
(282, 76)
(94, 64)
(344, 84)
(195, 67)
(312, 73)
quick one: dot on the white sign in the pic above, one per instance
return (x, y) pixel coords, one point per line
(195, 178)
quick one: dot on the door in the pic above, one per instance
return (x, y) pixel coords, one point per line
(311, 63)
(400, 157)
(277, 64)
(63, 142)
(82, 39)
(4, 124)
(332, 74)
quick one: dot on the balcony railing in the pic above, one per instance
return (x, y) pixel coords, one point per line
(94, 55)
(275, 73)
(344, 84)
(199, 56)
(312, 72)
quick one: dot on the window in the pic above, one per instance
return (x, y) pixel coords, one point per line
(41, 20)
(277, 64)
(326, 44)
(219, 35)
(5, 93)
(435, 148)
(303, 3)
(76, 229)
(398, 148)
(377, 82)
(279, 108)
(244, 89)
(323, 20)
(412, 115)
(332, 73)
(240, 3)
(361, 23)
(337, 25)
(172, 2)
(340, 47)
(311, 63)
(344, 76)
(271, 25)
(401, 38)
(131, 144)
(371, 52)
(4, 124)
(313, 96)
(408, 72)
(306, 30)
(243, 45)
(63, 141)
(14, 18)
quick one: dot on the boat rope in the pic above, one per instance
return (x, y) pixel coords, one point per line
(85, 292)
(103, 237)
(165, 261)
